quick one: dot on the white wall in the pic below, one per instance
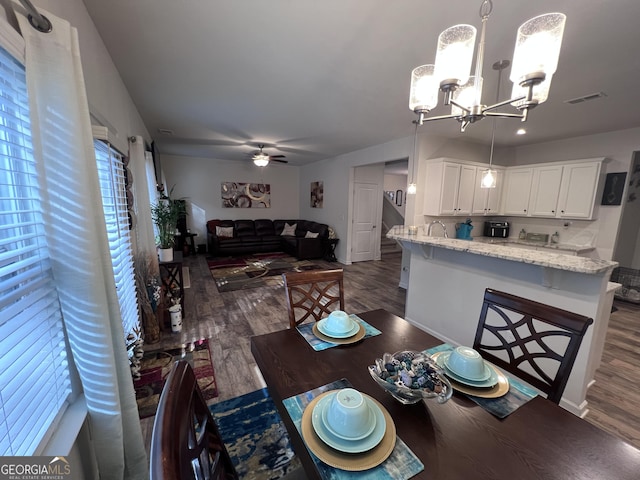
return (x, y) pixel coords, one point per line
(337, 175)
(199, 180)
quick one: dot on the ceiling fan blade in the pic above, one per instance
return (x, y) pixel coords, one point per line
(277, 160)
(277, 156)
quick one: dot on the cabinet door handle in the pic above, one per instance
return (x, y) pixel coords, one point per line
(561, 211)
(553, 211)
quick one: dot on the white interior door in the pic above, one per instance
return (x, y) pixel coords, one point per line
(365, 216)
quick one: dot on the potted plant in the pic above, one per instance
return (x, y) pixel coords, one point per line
(165, 215)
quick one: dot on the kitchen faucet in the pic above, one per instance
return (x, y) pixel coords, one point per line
(444, 229)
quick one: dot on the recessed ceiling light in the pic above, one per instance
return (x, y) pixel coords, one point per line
(521, 131)
(165, 131)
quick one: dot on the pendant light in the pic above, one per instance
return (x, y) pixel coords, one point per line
(489, 176)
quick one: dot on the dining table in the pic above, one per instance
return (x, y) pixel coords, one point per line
(454, 440)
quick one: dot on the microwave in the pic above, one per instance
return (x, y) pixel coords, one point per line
(496, 229)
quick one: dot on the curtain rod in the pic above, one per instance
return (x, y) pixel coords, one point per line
(37, 20)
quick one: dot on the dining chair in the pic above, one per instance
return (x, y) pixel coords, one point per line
(313, 294)
(185, 442)
(538, 343)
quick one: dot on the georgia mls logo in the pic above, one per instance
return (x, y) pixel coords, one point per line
(35, 468)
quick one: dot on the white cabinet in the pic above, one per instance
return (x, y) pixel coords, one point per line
(486, 201)
(449, 188)
(560, 190)
(578, 190)
(545, 191)
(517, 190)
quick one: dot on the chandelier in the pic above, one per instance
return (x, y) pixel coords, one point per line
(535, 60)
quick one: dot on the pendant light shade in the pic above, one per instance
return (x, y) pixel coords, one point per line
(489, 179)
(537, 48)
(424, 89)
(455, 54)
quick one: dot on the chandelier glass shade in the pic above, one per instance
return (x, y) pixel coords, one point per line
(535, 60)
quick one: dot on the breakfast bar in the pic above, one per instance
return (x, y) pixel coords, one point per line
(448, 277)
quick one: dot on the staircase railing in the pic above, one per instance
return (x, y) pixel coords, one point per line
(390, 215)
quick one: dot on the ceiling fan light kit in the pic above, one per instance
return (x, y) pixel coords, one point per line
(535, 60)
(261, 159)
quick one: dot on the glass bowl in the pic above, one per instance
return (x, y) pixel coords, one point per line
(411, 376)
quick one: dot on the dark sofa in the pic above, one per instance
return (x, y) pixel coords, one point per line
(240, 237)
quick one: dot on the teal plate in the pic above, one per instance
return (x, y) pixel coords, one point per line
(490, 382)
(348, 446)
(329, 333)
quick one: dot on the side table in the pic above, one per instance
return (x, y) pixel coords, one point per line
(330, 249)
(171, 277)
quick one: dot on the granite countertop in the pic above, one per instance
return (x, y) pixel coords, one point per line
(549, 259)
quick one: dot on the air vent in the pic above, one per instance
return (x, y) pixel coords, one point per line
(165, 131)
(586, 98)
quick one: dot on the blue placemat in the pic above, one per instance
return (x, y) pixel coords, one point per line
(518, 394)
(306, 330)
(401, 464)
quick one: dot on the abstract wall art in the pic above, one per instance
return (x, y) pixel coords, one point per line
(317, 194)
(246, 195)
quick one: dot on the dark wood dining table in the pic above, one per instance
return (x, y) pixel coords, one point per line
(457, 439)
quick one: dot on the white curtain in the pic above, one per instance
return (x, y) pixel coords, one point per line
(63, 147)
(141, 190)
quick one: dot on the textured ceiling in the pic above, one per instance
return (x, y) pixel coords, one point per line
(315, 79)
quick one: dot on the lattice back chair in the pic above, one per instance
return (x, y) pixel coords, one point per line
(313, 294)
(536, 342)
(185, 442)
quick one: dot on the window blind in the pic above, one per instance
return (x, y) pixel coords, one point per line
(34, 375)
(113, 183)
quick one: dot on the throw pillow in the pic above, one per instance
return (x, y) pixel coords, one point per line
(289, 230)
(224, 232)
(311, 235)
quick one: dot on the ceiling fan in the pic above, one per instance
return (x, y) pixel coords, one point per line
(261, 159)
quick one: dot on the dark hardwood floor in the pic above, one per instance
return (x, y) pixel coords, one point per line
(230, 319)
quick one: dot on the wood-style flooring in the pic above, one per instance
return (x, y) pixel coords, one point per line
(229, 320)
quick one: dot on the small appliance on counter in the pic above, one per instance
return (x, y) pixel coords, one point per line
(463, 230)
(496, 229)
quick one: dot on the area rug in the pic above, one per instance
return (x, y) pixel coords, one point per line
(239, 273)
(156, 365)
(255, 437)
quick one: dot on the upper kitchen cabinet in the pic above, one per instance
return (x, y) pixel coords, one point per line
(558, 190)
(449, 188)
(545, 191)
(517, 190)
(578, 189)
(486, 201)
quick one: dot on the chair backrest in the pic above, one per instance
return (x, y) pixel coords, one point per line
(185, 443)
(536, 342)
(313, 294)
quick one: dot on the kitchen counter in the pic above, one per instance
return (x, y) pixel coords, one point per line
(447, 279)
(499, 248)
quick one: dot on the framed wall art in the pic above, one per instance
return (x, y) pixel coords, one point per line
(246, 195)
(613, 188)
(317, 194)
